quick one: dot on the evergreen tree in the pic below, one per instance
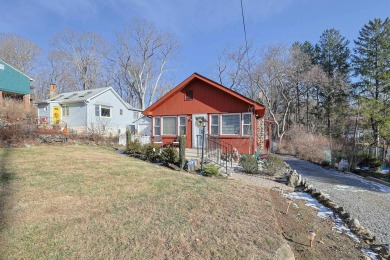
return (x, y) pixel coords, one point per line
(371, 63)
(332, 54)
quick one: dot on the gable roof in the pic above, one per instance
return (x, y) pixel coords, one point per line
(85, 96)
(259, 108)
(16, 70)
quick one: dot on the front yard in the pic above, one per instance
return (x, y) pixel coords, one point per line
(89, 202)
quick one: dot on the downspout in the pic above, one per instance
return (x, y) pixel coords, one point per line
(86, 102)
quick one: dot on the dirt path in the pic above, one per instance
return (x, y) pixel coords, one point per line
(300, 218)
(328, 244)
(365, 200)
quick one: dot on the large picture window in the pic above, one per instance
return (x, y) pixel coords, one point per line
(230, 124)
(182, 125)
(169, 125)
(214, 125)
(157, 126)
(247, 124)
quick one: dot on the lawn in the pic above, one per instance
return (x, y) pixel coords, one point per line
(90, 202)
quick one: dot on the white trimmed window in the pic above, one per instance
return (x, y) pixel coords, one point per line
(135, 114)
(182, 125)
(169, 125)
(65, 110)
(230, 124)
(102, 111)
(157, 126)
(214, 125)
(246, 124)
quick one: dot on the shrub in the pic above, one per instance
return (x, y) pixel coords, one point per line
(134, 147)
(306, 145)
(170, 155)
(274, 165)
(210, 170)
(249, 163)
(370, 161)
(182, 151)
(151, 152)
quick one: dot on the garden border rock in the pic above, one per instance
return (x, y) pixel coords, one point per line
(295, 180)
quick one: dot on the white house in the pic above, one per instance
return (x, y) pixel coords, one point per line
(99, 110)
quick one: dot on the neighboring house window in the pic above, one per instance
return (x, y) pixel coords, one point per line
(246, 124)
(45, 109)
(169, 125)
(189, 95)
(132, 129)
(102, 111)
(105, 111)
(97, 110)
(182, 125)
(135, 114)
(65, 111)
(230, 124)
(121, 112)
(214, 125)
(157, 126)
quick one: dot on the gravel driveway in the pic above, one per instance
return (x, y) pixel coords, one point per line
(365, 200)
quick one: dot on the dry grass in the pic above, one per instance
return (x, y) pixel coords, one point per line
(14, 111)
(307, 146)
(90, 203)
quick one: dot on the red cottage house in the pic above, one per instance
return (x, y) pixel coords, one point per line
(231, 117)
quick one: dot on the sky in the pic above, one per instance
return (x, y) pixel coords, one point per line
(203, 28)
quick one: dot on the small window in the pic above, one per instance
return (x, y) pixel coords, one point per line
(105, 111)
(247, 124)
(214, 125)
(189, 95)
(97, 110)
(169, 125)
(65, 111)
(45, 109)
(135, 114)
(157, 126)
(182, 125)
(132, 129)
(121, 112)
(102, 111)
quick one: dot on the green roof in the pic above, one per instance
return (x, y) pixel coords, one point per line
(12, 80)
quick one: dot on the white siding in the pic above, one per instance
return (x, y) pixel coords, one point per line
(117, 123)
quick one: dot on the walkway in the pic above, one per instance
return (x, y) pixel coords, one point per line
(365, 200)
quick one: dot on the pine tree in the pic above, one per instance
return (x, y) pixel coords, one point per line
(332, 54)
(371, 63)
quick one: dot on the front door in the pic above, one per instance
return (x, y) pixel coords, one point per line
(197, 129)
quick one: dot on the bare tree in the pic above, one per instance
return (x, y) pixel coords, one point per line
(77, 58)
(141, 54)
(19, 52)
(272, 76)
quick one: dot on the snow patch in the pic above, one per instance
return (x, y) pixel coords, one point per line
(323, 212)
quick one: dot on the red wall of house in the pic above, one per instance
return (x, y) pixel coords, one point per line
(206, 99)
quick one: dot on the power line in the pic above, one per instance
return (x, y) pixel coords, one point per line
(243, 23)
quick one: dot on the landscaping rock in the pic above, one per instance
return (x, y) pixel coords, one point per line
(354, 224)
(284, 253)
(294, 179)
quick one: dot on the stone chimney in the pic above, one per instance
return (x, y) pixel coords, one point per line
(52, 90)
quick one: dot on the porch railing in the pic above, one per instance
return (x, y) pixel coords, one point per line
(215, 150)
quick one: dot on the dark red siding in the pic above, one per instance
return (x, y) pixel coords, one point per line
(206, 99)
